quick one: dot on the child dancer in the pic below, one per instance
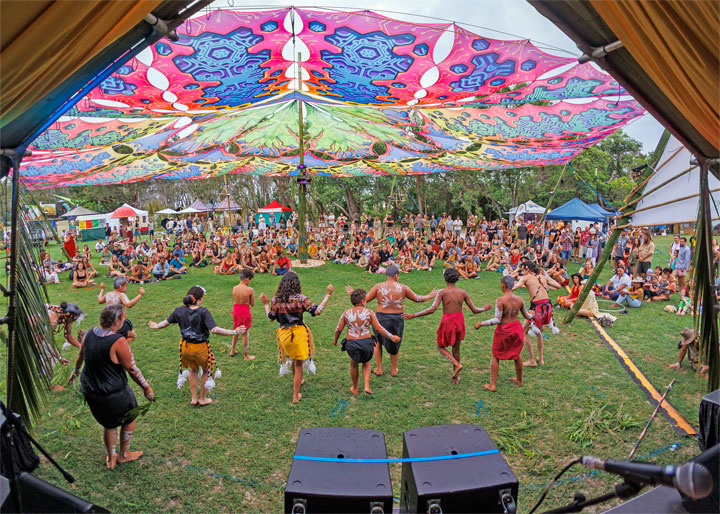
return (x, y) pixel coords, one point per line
(244, 298)
(360, 343)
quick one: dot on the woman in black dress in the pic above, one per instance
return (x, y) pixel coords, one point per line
(104, 384)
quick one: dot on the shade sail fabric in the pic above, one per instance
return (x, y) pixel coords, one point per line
(378, 96)
(676, 44)
(75, 30)
(674, 160)
(575, 209)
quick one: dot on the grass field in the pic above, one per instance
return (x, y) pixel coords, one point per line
(234, 455)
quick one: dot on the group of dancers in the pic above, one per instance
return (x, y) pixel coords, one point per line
(105, 358)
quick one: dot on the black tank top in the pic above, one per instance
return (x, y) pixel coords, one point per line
(101, 376)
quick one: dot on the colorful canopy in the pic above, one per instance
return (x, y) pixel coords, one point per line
(378, 96)
(274, 206)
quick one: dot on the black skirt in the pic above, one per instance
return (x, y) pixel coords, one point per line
(393, 323)
(109, 410)
(359, 350)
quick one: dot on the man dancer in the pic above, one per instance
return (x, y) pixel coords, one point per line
(452, 325)
(390, 296)
(118, 296)
(509, 334)
(540, 306)
(243, 298)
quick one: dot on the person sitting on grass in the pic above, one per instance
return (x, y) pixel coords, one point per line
(360, 343)
(632, 296)
(81, 277)
(263, 262)
(422, 262)
(139, 273)
(162, 271)
(493, 263)
(115, 267)
(509, 335)
(689, 345)
(451, 331)
(469, 269)
(567, 301)
(177, 264)
(227, 265)
(282, 265)
(686, 304)
(92, 272)
(49, 276)
(617, 284)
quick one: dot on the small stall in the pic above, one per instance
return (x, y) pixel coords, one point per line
(528, 211)
(274, 211)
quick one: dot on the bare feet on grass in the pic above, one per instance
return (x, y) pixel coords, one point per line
(456, 370)
(249, 357)
(532, 363)
(296, 400)
(368, 391)
(515, 381)
(354, 390)
(489, 387)
(129, 457)
(110, 462)
(394, 372)
(205, 401)
(378, 372)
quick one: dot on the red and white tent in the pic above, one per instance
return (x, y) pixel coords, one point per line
(273, 207)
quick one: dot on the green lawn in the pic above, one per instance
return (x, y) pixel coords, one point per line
(234, 455)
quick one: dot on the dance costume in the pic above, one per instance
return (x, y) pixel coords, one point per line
(393, 323)
(543, 312)
(508, 340)
(195, 350)
(451, 329)
(104, 384)
(359, 350)
(294, 338)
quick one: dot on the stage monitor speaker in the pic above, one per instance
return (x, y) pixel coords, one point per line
(316, 486)
(473, 484)
(709, 431)
(36, 495)
(710, 458)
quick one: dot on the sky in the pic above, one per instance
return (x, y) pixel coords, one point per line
(498, 19)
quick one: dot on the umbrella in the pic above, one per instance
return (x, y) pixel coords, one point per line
(378, 96)
(78, 211)
(125, 212)
(189, 210)
(167, 211)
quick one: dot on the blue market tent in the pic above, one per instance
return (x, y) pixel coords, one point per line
(602, 210)
(576, 209)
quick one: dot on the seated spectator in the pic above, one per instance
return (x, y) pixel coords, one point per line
(227, 265)
(139, 273)
(177, 264)
(81, 276)
(568, 301)
(49, 276)
(633, 297)
(617, 284)
(282, 265)
(161, 270)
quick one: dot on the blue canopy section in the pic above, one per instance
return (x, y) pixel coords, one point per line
(602, 210)
(576, 209)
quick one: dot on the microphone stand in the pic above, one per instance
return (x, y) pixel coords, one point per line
(623, 490)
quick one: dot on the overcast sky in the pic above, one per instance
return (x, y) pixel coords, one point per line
(517, 18)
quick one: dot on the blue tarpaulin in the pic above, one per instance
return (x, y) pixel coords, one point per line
(576, 209)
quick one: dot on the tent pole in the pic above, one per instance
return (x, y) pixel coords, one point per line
(617, 230)
(302, 204)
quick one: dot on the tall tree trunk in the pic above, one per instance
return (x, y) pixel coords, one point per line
(352, 205)
(419, 184)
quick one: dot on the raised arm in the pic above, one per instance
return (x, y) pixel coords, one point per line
(475, 310)
(520, 283)
(552, 283)
(429, 310)
(125, 358)
(496, 319)
(101, 295)
(340, 327)
(409, 293)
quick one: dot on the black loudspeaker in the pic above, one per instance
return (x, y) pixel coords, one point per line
(38, 496)
(472, 484)
(710, 458)
(709, 432)
(316, 486)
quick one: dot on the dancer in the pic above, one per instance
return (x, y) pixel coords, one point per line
(390, 296)
(244, 298)
(61, 319)
(294, 337)
(196, 323)
(541, 307)
(104, 385)
(452, 325)
(509, 333)
(359, 343)
(118, 296)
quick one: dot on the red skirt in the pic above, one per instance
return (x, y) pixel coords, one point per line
(508, 341)
(241, 316)
(451, 329)
(543, 312)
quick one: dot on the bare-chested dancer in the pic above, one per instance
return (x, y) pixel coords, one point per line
(509, 334)
(360, 344)
(118, 296)
(244, 298)
(540, 307)
(452, 325)
(390, 296)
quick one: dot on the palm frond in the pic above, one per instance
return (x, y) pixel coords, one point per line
(29, 359)
(706, 323)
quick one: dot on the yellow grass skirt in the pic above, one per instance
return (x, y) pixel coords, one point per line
(295, 342)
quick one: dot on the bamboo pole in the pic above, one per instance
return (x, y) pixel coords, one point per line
(547, 207)
(600, 264)
(646, 193)
(663, 204)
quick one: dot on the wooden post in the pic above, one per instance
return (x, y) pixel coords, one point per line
(617, 230)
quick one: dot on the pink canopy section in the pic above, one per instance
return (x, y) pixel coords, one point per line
(378, 95)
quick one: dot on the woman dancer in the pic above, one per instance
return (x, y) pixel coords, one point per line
(294, 337)
(61, 319)
(196, 323)
(104, 384)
